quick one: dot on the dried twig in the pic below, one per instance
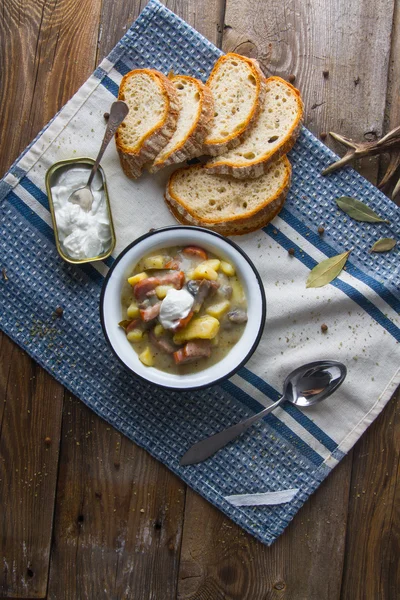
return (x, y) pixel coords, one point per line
(390, 143)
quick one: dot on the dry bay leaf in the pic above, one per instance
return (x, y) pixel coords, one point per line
(383, 245)
(358, 210)
(327, 270)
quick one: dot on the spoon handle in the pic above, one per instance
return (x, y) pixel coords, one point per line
(207, 447)
(118, 112)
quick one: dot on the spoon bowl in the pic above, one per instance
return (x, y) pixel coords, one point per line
(305, 386)
(313, 382)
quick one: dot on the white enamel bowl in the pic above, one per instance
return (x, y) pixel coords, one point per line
(110, 305)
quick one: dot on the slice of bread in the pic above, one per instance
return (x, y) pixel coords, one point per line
(194, 122)
(272, 136)
(224, 204)
(153, 114)
(235, 83)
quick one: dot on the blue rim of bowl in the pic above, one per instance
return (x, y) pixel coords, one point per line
(260, 285)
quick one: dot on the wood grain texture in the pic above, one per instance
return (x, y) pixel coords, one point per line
(118, 519)
(350, 42)
(220, 561)
(392, 112)
(206, 16)
(115, 19)
(373, 533)
(30, 419)
(36, 80)
(36, 36)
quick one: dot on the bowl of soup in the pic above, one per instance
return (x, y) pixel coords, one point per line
(183, 307)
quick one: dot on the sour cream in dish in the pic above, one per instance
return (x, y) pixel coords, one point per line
(81, 234)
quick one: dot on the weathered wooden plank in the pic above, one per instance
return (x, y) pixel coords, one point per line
(308, 39)
(372, 544)
(220, 561)
(118, 516)
(30, 421)
(374, 550)
(206, 16)
(35, 38)
(304, 40)
(116, 18)
(392, 113)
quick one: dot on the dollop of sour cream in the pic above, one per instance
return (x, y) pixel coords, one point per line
(176, 305)
(81, 234)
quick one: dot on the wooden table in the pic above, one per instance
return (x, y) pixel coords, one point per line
(86, 514)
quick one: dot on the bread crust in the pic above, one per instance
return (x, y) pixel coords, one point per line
(237, 225)
(192, 145)
(257, 167)
(213, 147)
(133, 159)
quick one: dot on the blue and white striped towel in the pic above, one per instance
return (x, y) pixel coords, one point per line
(290, 448)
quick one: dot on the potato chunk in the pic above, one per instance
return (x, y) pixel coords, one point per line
(237, 291)
(218, 310)
(159, 330)
(136, 278)
(204, 328)
(132, 311)
(162, 290)
(146, 357)
(213, 263)
(155, 262)
(135, 335)
(227, 268)
(204, 271)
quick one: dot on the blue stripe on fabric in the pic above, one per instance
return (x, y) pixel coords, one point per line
(31, 216)
(109, 261)
(347, 289)
(327, 249)
(36, 192)
(338, 454)
(292, 410)
(110, 85)
(4, 189)
(47, 231)
(121, 67)
(17, 171)
(100, 73)
(275, 423)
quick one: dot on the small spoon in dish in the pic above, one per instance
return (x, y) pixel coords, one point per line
(83, 195)
(305, 386)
